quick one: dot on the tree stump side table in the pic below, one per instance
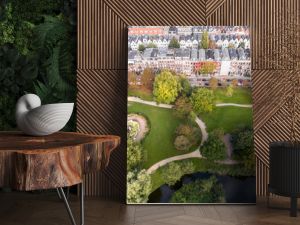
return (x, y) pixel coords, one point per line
(55, 161)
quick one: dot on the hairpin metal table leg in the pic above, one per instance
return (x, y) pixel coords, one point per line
(62, 195)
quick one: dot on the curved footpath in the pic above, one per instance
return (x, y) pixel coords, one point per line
(200, 123)
(194, 154)
(233, 104)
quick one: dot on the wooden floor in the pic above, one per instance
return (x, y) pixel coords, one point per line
(46, 209)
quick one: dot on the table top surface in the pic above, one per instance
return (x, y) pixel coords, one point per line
(17, 141)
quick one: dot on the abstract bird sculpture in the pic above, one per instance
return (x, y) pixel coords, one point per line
(40, 120)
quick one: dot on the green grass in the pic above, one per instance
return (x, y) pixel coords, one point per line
(140, 92)
(228, 118)
(158, 143)
(240, 96)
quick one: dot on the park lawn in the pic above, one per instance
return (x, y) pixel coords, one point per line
(240, 96)
(141, 92)
(158, 144)
(228, 118)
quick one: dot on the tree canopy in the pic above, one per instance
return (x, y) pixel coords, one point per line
(166, 87)
(200, 191)
(148, 77)
(175, 170)
(138, 186)
(182, 107)
(205, 40)
(141, 48)
(214, 148)
(174, 43)
(134, 154)
(202, 100)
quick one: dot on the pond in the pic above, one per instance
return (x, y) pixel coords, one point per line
(236, 189)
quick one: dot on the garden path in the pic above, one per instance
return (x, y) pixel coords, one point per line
(234, 104)
(194, 154)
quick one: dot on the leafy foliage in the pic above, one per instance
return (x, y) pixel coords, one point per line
(182, 143)
(186, 86)
(141, 48)
(148, 77)
(202, 100)
(214, 148)
(15, 31)
(207, 67)
(182, 107)
(205, 40)
(200, 191)
(138, 186)
(151, 45)
(166, 87)
(174, 43)
(192, 133)
(134, 154)
(16, 72)
(132, 78)
(244, 148)
(175, 170)
(7, 118)
(56, 61)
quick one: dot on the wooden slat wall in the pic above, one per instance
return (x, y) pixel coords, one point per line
(102, 79)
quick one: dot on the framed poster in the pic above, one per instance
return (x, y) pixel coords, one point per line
(189, 126)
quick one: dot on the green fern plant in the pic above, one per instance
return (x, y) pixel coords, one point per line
(55, 46)
(57, 65)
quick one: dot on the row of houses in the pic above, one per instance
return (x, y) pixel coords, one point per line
(226, 54)
(220, 41)
(185, 30)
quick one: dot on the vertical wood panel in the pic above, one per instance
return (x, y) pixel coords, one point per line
(102, 64)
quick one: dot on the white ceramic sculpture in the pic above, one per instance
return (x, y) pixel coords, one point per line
(40, 120)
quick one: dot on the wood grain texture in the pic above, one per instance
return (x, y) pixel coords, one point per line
(57, 160)
(109, 31)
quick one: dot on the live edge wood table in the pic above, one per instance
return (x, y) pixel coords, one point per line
(52, 162)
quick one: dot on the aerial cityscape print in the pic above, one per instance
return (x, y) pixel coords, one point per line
(189, 124)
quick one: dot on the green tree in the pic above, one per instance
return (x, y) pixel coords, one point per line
(182, 107)
(192, 133)
(175, 170)
(151, 45)
(213, 83)
(134, 154)
(148, 77)
(132, 78)
(138, 186)
(202, 100)
(141, 48)
(200, 191)
(174, 43)
(186, 86)
(243, 144)
(14, 30)
(214, 148)
(182, 143)
(205, 40)
(244, 148)
(207, 68)
(229, 90)
(166, 87)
